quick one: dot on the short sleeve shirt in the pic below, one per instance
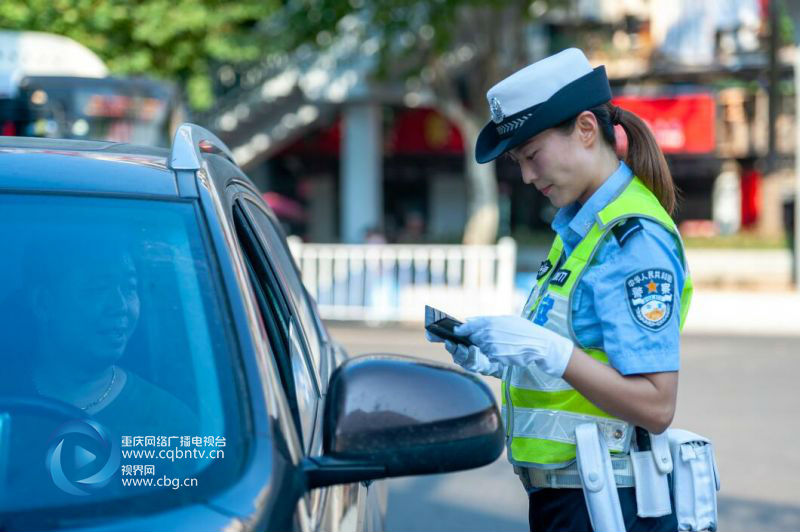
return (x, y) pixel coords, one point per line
(603, 315)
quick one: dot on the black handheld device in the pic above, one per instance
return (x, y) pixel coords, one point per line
(442, 325)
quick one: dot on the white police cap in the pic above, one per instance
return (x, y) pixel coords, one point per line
(538, 97)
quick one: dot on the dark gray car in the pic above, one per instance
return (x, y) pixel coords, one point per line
(163, 367)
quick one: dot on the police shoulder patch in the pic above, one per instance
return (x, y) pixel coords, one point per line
(626, 229)
(650, 297)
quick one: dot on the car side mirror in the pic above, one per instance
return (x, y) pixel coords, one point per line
(390, 416)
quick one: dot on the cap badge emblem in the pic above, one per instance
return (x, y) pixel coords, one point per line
(496, 110)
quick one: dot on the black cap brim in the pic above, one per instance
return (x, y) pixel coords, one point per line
(584, 93)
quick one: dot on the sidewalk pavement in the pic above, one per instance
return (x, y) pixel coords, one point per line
(751, 313)
(737, 292)
(755, 312)
(742, 268)
(743, 292)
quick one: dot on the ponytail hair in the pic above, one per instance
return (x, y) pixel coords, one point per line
(644, 157)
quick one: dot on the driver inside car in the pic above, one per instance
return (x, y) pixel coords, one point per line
(69, 338)
(86, 307)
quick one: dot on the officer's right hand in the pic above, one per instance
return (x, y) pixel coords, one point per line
(514, 340)
(472, 359)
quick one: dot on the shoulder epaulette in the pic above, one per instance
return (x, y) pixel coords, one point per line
(627, 229)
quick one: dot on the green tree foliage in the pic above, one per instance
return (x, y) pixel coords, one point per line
(179, 40)
(445, 53)
(458, 48)
(450, 50)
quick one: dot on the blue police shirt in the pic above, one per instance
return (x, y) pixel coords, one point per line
(602, 315)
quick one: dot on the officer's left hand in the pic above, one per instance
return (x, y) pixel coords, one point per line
(513, 340)
(429, 336)
(471, 359)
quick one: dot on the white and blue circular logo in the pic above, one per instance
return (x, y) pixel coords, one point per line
(82, 457)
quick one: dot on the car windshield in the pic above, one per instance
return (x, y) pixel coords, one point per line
(118, 388)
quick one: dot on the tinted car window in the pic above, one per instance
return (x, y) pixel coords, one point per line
(117, 391)
(281, 257)
(285, 337)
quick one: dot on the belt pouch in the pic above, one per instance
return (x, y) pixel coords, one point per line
(652, 486)
(695, 480)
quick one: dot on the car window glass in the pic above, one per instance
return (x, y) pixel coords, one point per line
(281, 257)
(117, 354)
(296, 375)
(305, 391)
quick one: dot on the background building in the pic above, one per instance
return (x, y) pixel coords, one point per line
(347, 156)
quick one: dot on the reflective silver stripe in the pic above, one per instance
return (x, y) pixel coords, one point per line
(527, 310)
(558, 315)
(559, 426)
(508, 371)
(568, 477)
(532, 378)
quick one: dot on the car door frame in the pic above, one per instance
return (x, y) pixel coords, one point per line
(277, 451)
(292, 320)
(350, 498)
(322, 369)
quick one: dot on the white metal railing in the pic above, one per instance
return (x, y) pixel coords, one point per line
(394, 282)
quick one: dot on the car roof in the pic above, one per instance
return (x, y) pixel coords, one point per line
(38, 143)
(40, 164)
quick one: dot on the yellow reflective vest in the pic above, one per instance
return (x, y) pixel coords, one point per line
(541, 412)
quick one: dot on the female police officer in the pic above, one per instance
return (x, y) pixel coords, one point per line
(598, 339)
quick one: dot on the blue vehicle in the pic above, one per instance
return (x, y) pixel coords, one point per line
(165, 369)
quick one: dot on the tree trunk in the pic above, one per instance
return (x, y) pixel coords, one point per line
(483, 214)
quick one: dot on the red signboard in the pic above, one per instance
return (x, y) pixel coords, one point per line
(412, 132)
(423, 131)
(681, 124)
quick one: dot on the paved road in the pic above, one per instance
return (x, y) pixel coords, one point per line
(740, 391)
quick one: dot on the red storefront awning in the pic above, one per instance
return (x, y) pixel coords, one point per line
(411, 132)
(680, 124)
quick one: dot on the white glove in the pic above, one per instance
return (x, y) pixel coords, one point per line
(513, 340)
(429, 336)
(472, 359)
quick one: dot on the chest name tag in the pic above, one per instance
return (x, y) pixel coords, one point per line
(560, 277)
(544, 267)
(650, 297)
